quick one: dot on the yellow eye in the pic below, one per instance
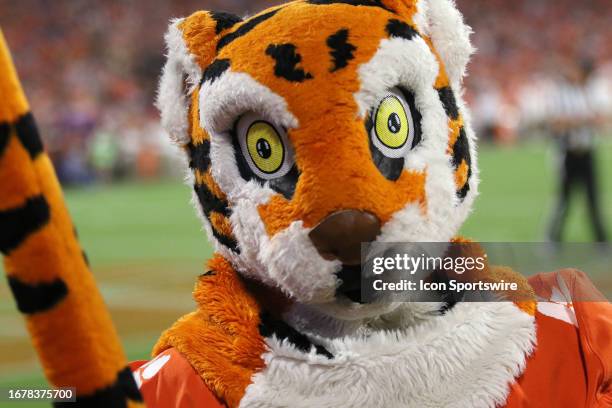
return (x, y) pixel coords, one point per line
(263, 153)
(391, 123)
(265, 147)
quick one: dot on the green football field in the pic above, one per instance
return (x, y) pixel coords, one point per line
(146, 246)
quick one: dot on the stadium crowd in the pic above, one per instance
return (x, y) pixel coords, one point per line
(90, 69)
(524, 47)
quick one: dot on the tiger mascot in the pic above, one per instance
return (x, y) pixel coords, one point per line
(309, 128)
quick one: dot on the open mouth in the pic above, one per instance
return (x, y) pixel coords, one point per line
(350, 275)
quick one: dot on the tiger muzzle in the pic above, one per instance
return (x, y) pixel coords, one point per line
(339, 237)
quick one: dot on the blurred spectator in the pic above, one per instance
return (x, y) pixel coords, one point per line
(520, 44)
(91, 68)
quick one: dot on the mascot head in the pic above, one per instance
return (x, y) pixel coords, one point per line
(317, 125)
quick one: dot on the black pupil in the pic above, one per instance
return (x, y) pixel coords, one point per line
(263, 148)
(395, 123)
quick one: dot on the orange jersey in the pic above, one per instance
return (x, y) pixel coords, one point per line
(169, 381)
(572, 362)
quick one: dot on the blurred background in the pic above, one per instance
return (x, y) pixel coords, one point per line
(542, 79)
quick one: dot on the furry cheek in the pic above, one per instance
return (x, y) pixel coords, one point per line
(287, 260)
(294, 263)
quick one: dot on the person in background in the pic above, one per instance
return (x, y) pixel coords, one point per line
(575, 111)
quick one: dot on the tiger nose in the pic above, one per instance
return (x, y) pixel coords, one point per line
(339, 235)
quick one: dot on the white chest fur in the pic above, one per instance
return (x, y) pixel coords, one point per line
(466, 358)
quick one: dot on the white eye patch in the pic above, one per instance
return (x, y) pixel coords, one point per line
(225, 99)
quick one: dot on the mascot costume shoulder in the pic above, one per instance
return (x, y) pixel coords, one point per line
(309, 128)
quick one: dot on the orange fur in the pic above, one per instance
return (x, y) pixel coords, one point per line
(461, 175)
(198, 134)
(221, 224)
(279, 213)
(455, 129)
(442, 80)
(524, 298)
(24, 181)
(221, 339)
(198, 32)
(336, 169)
(207, 180)
(402, 7)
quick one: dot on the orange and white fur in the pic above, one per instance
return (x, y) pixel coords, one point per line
(309, 128)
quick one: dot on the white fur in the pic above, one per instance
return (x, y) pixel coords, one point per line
(410, 63)
(465, 207)
(222, 102)
(288, 260)
(467, 358)
(172, 98)
(450, 36)
(237, 93)
(358, 320)
(294, 264)
(421, 17)
(397, 62)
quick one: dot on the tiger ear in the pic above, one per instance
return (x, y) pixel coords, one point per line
(443, 23)
(191, 46)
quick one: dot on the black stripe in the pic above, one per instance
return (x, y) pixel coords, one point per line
(210, 202)
(16, 224)
(226, 241)
(208, 274)
(350, 275)
(245, 28)
(199, 155)
(367, 3)
(341, 49)
(214, 70)
(39, 297)
(269, 327)
(461, 152)
(27, 132)
(447, 97)
(287, 61)
(5, 132)
(450, 298)
(447, 307)
(115, 395)
(463, 192)
(398, 28)
(224, 20)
